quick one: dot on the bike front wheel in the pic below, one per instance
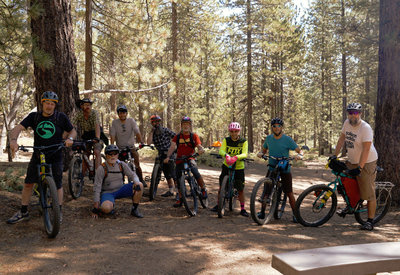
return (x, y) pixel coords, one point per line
(263, 201)
(203, 201)
(51, 208)
(222, 197)
(316, 205)
(383, 201)
(188, 195)
(281, 204)
(75, 177)
(155, 180)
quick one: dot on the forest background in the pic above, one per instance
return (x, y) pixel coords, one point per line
(216, 61)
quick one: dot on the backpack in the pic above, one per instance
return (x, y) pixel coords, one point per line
(191, 141)
(121, 171)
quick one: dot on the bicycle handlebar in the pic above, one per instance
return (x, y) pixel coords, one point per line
(145, 145)
(218, 156)
(41, 148)
(265, 157)
(188, 157)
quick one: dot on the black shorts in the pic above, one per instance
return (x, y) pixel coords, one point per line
(32, 172)
(168, 168)
(238, 177)
(286, 179)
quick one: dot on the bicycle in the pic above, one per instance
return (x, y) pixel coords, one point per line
(317, 204)
(267, 198)
(189, 188)
(81, 160)
(156, 173)
(228, 193)
(47, 190)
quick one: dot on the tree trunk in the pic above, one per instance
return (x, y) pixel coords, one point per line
(249, 80)
(52, 34)
(174, 42)
(344, 65)
(387, 134)
(88, 46)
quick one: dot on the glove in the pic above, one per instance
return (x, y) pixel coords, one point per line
(332, 157)
(354, 172)
(141, 145)
(96, 140)
(228, 159)
(260, 154)
(234, 159)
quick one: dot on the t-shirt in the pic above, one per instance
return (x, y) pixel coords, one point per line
(48, 131)
(279, 148)
(124, 133)
(354, 137)
(237, 148)
(184, 145)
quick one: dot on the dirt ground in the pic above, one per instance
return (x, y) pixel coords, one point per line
(166, 240)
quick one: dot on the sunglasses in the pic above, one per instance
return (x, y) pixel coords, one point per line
(234, 131)
(112, 154)
(277, 126)
(353, 112)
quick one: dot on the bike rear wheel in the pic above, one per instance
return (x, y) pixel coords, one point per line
(75, 177)
(281, 204)
(222, 197)
(263, 201)
(155, 180)
(189, 196)
(311, 210)
(51, 208)
(383, 201)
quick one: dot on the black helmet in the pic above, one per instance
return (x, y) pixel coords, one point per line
(111, 148)
(354, 107)
(155, 118)
(277, 120)
(122, 108)
(49, 95)
(186, 119)
(86, 100)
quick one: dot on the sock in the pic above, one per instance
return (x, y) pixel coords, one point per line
(242, 206)
(60, 207)
(369, 220)
(135, 205)
(24, 208)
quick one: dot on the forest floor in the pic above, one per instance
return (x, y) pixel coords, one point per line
(166, 240)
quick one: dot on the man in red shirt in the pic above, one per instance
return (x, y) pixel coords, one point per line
(185, 144)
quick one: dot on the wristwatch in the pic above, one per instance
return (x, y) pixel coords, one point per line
(71, 138)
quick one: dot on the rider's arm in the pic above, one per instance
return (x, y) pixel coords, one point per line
(97, 129)
(340, 144)
(171, 150)
(98, 183)
(222, 150)
(112, 132)
(69, 137)
(139, 138)
(366, 146)
(14, 137)
(245, 150)
(150, 137)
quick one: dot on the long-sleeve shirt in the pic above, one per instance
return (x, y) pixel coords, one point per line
(114, 179)
(237, 148)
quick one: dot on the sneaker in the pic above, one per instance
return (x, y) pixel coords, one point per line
(261, 215)
(135, 212)
(18, 217)
(367, 226)
(167, 194)
(214, 209)
(177, 204)
(244, 213)
(294, 220)
(343, 212)
(204, 193)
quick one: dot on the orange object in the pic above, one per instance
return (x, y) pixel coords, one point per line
(216, 144)
(352, 190)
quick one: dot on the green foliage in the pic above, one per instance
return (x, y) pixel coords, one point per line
(12, 179)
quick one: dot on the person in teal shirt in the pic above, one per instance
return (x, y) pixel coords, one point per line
(234, 149)
(279, 145)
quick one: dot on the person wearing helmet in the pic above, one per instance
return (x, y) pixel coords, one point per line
(234, 148)
(49, 125)
(161, 138)
(109, 184)
(125, 133)
(87, 123)
(185, 144)
(357, 136)
(279, 145)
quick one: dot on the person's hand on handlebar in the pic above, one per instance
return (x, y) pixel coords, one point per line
(260, 154)
(298, 157)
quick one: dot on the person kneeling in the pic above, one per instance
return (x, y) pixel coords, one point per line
(109, 184)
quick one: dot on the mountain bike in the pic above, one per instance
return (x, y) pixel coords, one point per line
(267, 198)
(47, 190)
(156, 174)
(126, 155)
(81, 160)
(189, 188)
(317, 204)
(228, 194)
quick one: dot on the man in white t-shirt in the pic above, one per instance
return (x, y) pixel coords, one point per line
(125, 132)
(362, 157)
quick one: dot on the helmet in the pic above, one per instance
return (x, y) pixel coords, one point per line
(155, 118)
(277, 120)
(86, 100)
(111, 148)
(49, 95)
(186, 119)
(354, 106)
(234, 126)
(122, 108)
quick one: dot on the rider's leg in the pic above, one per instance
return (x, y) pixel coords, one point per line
(287, 183)
(107, 206)
(139, 172)
(366, 182)
(26, 193)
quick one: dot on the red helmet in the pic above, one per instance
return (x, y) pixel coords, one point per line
(155, 118)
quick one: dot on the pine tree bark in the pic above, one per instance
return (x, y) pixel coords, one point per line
(249, 79)
(387, 130)
(52, 33)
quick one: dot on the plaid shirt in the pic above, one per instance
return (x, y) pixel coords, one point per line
(163, 140)
(84, 125)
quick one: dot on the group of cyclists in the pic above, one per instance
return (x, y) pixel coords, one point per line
(51, 126)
